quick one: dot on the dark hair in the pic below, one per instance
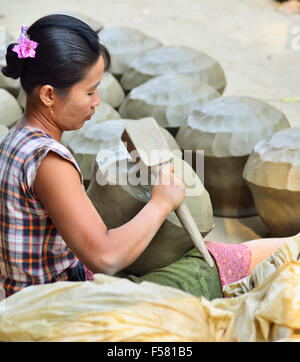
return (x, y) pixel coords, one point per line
(67, 49)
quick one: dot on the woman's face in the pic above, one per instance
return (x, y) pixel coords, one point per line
(79, 105)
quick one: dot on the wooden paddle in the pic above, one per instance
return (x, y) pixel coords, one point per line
(145, 137)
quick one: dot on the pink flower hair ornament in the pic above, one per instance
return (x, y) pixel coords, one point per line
(25, 47)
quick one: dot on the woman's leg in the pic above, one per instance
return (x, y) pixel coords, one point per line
(190, 273)
(261, 249)
(236, 261)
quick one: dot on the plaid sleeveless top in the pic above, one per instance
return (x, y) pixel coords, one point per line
(31, 250)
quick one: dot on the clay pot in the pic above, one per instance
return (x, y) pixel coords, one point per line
(110, 91)
(174, 59)
(272, 173)
(227, 129)
(11, 85)
(9, 109)
(168, 98)
(124, 45)
(117, 202)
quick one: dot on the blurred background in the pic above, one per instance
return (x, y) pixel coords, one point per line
(252, 40)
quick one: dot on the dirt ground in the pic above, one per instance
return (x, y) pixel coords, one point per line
(257, 45)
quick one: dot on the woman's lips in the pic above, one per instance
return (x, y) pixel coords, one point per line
(90, 116)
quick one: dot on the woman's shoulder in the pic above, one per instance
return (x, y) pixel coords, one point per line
(26, 147)
(37, 146)
(30, 140)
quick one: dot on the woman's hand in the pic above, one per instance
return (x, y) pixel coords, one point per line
(169, 188)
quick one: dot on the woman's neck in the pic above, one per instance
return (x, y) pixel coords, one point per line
(35, 118)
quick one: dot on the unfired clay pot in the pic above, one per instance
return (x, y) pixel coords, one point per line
(117, 202)
(12, 85)
(9, 84)
(227, 129)
(272, 173)
(126, 44)
(110, 91)
(168, 98)
(10, 110)
(174, 59)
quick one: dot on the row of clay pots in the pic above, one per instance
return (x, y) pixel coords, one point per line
(233, 193)
(169, 99)
(174, 60)
(138, 57)
(166, 83)
(227, 129)
(251, 162)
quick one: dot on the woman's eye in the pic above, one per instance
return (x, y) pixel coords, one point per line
(90, 94)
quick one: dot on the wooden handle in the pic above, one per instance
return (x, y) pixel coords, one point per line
(188, 223)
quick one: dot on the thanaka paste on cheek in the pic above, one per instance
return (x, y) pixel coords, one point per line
(71, 117)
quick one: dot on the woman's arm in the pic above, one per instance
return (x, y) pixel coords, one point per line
(58, 187)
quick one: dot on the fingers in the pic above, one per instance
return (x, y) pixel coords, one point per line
(167, 174)
(178, 180)
(169, 186)
(168, 177)
(169, 167)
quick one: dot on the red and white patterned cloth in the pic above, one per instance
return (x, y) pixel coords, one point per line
(233, 260)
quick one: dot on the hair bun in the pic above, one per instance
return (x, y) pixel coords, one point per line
(15, 65)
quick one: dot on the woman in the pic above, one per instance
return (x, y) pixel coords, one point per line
(50, 230)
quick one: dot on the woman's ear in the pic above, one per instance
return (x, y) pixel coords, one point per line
(46, 94)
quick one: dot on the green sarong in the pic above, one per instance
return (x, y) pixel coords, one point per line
(190, 273)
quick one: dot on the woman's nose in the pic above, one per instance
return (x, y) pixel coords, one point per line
(97, 100)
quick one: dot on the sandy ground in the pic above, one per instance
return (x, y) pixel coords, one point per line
(253, 41)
